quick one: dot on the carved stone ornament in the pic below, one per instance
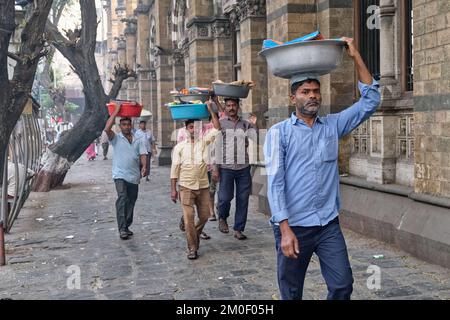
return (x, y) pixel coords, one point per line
(157, 51)
(250, 8)
(177, 57)
(221, 29)
(142, 9)
(152, 74)
(202, 31)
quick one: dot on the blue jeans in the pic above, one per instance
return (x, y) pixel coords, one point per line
(329, 245)
(243, 180)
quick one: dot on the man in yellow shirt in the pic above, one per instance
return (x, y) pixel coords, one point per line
(190, 170)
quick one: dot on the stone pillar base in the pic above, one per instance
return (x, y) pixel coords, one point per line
(259, 189)
(381, 170)
(164, 157)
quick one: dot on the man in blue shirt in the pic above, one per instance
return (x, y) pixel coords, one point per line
(129, 164)
(301, 156)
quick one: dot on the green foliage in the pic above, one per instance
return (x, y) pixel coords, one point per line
(71, 107)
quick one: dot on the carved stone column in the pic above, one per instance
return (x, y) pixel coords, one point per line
(381, 164)
(177, 61)
(222, 44)
(122, 60)
(164, 81)
(142, 54)
(387, 34)
(130, 34)
(253, 30)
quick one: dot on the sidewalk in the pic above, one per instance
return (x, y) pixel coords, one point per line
(79, 230)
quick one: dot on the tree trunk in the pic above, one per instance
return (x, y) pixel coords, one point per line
(15, 93)
(79, 49)
(52, 173)
(7, 24)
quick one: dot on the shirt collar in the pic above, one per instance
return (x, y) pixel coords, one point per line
(294, 118)
(229, 119)
(120, 134)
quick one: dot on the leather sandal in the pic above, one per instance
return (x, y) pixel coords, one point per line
(192, 255)
(204, 236)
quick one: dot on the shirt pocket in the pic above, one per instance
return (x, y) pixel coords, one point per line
(330, 149)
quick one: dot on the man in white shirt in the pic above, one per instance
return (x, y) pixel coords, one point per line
(150, 143)
(104, 141)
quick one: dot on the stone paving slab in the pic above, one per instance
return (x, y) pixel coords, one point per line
(79, 230)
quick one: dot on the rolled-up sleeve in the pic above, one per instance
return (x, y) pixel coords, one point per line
(211, 136)
(274, 155)
(352, 117)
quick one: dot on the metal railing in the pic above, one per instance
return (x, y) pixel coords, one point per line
(22, 163)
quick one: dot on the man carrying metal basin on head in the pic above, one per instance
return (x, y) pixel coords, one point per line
(190, 170)
(301, 155)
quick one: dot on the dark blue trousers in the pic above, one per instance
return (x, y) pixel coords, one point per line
(243, 180)
(328, 243)
(127, 195)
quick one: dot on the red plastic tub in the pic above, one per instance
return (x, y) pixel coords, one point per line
(127, 108)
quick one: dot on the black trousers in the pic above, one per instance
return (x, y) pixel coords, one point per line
(127, 195)
(105, 147)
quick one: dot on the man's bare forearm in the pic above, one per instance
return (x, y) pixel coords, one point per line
(215, 120)
(284, 226)
(144, 159)
(363, 73)
(109, 124)
(173, 183)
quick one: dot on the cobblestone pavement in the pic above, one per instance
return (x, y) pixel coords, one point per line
(75, 227)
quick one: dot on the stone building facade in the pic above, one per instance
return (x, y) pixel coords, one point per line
(395, 167)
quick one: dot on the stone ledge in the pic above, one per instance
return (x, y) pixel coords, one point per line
(390, 215)
(418, 228)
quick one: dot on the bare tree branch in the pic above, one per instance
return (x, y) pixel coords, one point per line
(66, 47)
(16, 57)
(121, 73)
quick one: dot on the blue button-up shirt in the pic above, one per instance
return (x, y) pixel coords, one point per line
(126, 157)
(302, 162)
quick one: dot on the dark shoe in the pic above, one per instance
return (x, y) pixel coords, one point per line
(239, 235)
(123, 235)
(223, 226)
(192, 255)
(182, 224)
(129, 232)
(213, 218)
(204, 236)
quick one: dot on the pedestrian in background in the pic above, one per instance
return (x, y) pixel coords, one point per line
(149, 139)
(104, 140)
